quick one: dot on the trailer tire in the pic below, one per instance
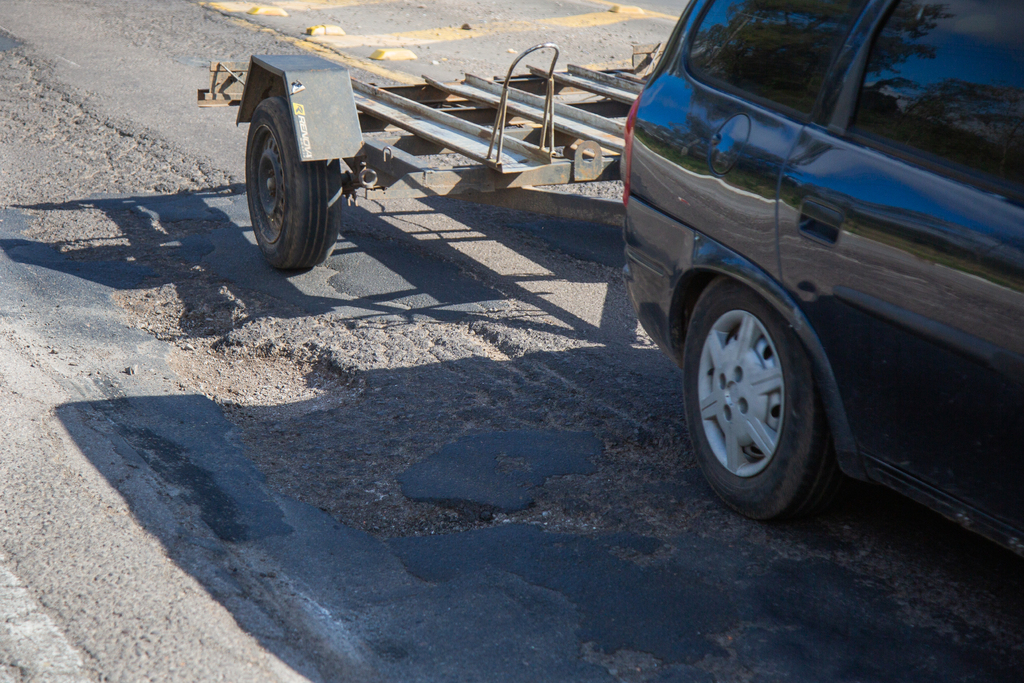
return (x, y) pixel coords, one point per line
(287, 196)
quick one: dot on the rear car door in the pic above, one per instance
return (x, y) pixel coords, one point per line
(901, 229)
(715, 127)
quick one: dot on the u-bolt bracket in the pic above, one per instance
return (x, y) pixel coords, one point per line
(547, 128)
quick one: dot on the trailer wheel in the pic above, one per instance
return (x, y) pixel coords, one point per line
(287, 196)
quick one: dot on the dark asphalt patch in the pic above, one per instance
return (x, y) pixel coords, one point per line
(378, 277)
(735, 608)
(115, 274)
(171, 462)
(191, 248)
(586, 241)
(488, 626)
(187, 206)
(499, 470)
(12, 222)
(189, 444)
(668, 610)
(383, 271)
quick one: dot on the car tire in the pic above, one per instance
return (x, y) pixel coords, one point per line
(756, 420)
(287, 196)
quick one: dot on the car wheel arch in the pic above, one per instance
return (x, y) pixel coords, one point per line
(712, 261)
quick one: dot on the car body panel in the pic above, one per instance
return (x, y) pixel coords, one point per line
(657, 289)
(904, 280)
(683, 123)
(919, 303)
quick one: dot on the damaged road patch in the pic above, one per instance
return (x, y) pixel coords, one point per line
(499, 470)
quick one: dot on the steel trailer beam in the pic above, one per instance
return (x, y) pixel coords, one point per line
(530, 111)
(583, 83)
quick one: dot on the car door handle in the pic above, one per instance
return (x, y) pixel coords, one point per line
(820, 222)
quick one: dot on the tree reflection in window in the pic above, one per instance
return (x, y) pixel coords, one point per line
(948, 78)
(775, 49)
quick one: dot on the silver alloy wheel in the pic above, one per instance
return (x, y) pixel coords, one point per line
(741, 392)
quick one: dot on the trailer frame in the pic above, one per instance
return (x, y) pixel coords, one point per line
(517, 141)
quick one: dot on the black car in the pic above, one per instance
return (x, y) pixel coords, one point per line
(825, 230)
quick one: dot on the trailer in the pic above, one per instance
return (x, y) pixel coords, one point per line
(317, 137)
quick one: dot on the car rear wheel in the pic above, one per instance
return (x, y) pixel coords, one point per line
(287, 196)
(757, 423)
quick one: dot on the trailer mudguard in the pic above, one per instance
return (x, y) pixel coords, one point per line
(319, 95)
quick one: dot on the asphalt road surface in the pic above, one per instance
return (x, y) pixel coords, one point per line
(447, 454)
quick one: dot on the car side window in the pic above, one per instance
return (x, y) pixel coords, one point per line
(776, 50)
(947, 78)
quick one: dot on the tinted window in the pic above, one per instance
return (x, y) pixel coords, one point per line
(778, 50)
(948, 78)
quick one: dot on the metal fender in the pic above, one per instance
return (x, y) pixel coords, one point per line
(319, 95)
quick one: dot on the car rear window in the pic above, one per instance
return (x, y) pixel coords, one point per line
(947, 78)
(775, 50)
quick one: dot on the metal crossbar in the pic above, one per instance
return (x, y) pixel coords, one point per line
(606, 79)
(537, 112)
(583, 83)
(445, 129)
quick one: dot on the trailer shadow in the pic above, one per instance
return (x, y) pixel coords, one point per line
(196, 241)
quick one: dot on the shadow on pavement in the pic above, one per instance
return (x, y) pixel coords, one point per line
(514, 602)
(704, 596)
(375, 269)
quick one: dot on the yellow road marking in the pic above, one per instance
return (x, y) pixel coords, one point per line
(393, 54)
(325, 30)
(451, 33)
(301, 6)
(329, 46)
(626, 9)
(267, 11)
(323, 4)
(327, 53)
(297, 6)
(607, 66)
(340, 42)
(591, 19)
(292, 5)
(647, 12)
(384, 40)
(230, 6)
